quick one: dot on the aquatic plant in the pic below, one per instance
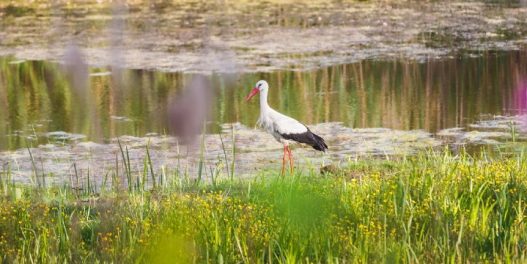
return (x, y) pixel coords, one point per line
(433, 207)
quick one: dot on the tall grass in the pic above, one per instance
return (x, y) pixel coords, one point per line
(433, 207)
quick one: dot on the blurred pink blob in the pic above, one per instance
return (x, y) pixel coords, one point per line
(189, 111)
(520, 98)
(519, 104)
(76, 70)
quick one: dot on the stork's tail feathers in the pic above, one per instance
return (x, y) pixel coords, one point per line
(319, 143)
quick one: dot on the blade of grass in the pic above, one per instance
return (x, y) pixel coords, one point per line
(149, 160)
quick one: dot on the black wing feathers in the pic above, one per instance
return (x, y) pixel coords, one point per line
(308, 138)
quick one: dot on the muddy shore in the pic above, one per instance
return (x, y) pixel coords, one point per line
(67, 159)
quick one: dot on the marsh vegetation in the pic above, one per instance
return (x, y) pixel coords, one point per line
(432, 207)
(423, 106)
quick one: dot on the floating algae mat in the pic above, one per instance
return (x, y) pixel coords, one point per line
(254, 151)
(265, 36)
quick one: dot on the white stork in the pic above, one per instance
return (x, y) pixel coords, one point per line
(285, 129)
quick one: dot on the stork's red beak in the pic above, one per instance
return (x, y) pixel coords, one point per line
(253, 93)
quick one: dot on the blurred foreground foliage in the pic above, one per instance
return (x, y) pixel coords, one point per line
(433, 207)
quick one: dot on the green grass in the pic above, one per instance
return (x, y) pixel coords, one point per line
(434, 207)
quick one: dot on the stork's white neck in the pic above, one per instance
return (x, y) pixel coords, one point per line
(263, 101)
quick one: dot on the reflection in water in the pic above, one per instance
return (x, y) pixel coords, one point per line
(519, 103)
(520, 97)
(35, 96)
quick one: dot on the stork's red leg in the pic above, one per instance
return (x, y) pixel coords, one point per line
(291, 163)
(283, 161)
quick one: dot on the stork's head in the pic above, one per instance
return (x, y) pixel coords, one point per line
(259, 87)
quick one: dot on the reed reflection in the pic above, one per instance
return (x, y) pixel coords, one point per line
(37, 97)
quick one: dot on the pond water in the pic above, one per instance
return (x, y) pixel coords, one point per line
(375, 79)
(57, 121)
(39, 97)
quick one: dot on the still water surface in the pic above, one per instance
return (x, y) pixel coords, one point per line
(37, 97)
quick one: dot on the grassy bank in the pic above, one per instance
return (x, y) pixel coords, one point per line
(428, 208)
